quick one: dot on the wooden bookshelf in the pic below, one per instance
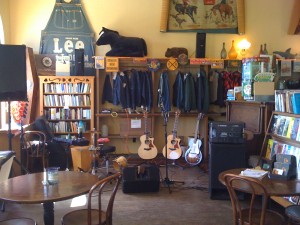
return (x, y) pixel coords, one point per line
(67, 101)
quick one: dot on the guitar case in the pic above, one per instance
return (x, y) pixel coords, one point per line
(140, 179)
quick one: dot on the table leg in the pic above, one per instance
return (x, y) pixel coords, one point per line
(48, 213)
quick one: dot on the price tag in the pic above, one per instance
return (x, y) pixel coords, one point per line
(112, 64)
(217, 64)
(136, 123)
(200, 61)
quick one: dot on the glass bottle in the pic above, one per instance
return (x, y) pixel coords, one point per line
(223, 52)
(232, 54)
(265, 51)
(261, 51)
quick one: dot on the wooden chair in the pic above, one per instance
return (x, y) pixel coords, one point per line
(34, 143)
(18, 221)
(293, 214)
(249, 212)
(97, 215)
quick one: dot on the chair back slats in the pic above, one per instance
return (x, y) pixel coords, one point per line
(34, 143)
(98, 189)
(250, 213)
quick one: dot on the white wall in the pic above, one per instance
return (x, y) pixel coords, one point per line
(267, 21)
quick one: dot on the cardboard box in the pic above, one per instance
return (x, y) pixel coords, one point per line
(264, 91)
(81, 157)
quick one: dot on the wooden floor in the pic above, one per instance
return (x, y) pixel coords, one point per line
(187, 203)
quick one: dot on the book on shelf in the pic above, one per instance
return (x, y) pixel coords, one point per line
(287, 101)
(281, 125)
(290, 127)
(286, 126)
(269, 148)
(295, 128)
(295, 97)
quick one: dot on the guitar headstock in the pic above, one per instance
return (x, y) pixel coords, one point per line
(145, 114)
(177, 113)
(200, 116)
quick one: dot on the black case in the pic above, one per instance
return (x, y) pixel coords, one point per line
(148, 181)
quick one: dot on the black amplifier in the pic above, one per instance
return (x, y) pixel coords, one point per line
(226, 132)
(141, 179)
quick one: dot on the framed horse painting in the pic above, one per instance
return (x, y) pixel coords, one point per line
(206, 16)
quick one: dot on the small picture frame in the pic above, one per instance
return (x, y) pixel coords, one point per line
(286, 68)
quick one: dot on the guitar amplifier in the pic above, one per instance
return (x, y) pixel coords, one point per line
(226, 132)
(139, 179)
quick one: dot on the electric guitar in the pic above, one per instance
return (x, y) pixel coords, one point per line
(193, 155)
(147, 149)
(172, 150)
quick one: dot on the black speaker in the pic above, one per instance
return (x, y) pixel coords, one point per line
(143, 179)
(223, 156)
(13, 85)
(200, 45)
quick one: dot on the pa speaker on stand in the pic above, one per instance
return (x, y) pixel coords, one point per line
(13, 85)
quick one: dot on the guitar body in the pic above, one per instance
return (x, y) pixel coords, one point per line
(193, 155)
(173, 148)
(147, 149)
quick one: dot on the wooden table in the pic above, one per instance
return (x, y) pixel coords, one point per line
(274, 187)
(28, 189)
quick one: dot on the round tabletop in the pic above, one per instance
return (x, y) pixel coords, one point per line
(275, 187)
(30, 189)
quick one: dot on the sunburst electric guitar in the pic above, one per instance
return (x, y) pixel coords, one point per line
(193, 155)
(172, 150)
(147, 149)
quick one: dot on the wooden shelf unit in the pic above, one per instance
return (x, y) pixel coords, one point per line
(66, 94)
(187, 120)
(281, 139)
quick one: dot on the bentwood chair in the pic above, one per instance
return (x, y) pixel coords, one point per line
(18, 221)
(251, 211)
(293, 214)
(105, 190)
(34, 144)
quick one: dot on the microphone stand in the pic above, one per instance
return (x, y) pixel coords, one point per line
(165, 114)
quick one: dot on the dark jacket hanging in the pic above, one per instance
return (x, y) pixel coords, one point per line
(189, 93)
(202, 92)
(107, 93)
(178, 92)
(163, 97)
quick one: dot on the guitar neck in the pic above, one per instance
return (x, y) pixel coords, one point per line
(174, 131)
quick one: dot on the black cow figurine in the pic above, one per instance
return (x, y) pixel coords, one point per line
(120, 45)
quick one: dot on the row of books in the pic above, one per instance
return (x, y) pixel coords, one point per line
(276, 147)
(67, 100)
(67, 88)
(66, 127)
(287, 101)
(286, 126)
(67, 114)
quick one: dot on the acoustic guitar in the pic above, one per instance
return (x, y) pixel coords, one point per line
(172, 149)
(147, 149)
(193, 155)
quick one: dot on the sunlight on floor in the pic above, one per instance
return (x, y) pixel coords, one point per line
(78, 201)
